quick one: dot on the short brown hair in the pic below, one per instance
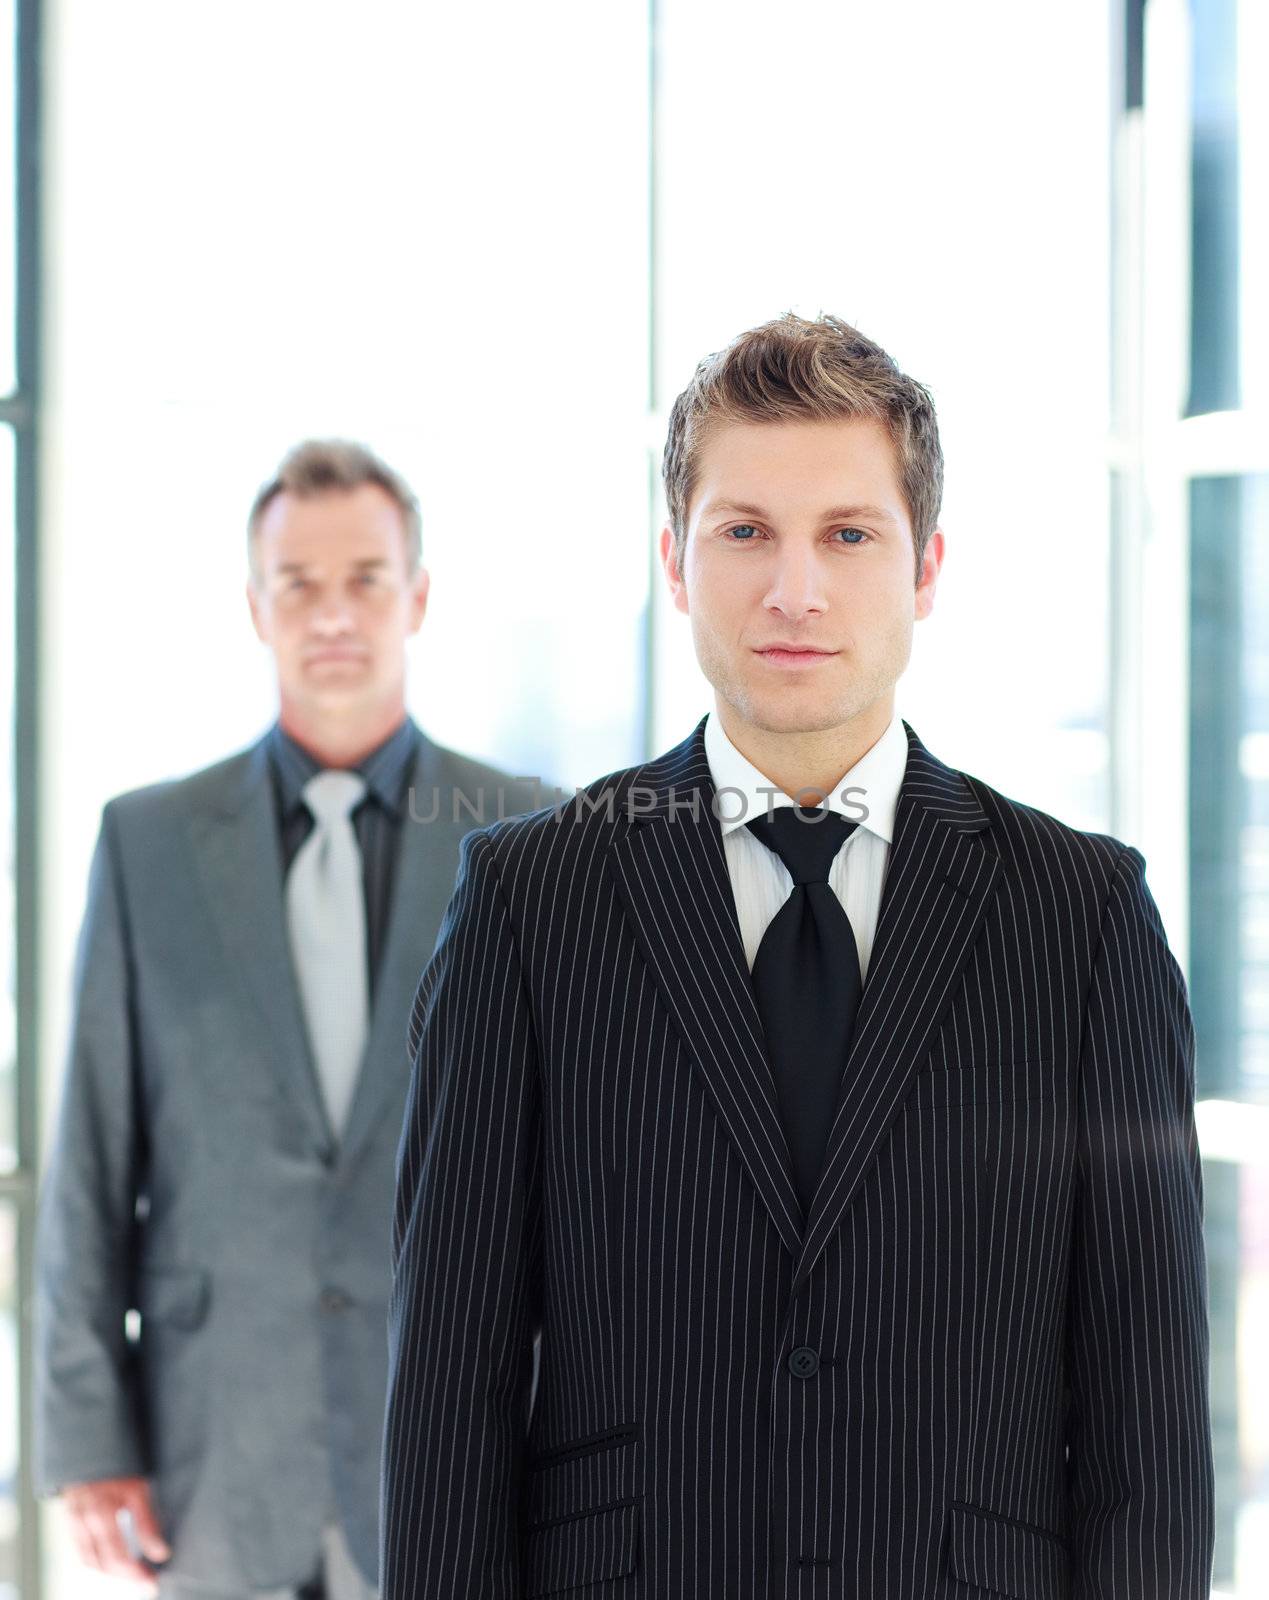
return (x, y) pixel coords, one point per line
(318, 466)
(794, 368)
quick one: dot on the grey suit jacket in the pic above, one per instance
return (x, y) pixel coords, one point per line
(194, 1178)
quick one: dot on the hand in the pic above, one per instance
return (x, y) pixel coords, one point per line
(93, 1510)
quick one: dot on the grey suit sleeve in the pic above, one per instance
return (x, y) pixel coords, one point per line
(1140, 1446)
(86, 1417)
(466, 1299)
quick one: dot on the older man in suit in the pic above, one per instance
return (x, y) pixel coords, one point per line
(828, 1112)
(223, 1160)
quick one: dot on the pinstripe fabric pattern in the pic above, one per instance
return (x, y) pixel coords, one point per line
(977, 1367)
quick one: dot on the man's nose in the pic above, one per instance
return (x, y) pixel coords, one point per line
(798, 583)
(331, 615)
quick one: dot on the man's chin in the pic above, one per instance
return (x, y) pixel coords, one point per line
(788, 717)
(337, 680)
(330, 695)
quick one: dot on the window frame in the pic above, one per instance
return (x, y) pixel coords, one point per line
(19, 412)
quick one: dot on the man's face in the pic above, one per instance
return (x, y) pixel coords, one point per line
(799, 535)
(332, 597)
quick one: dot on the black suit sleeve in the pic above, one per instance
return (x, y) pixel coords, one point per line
(467, 1251)
(1140, 1459)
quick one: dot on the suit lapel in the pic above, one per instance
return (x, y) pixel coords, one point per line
(423, 880)
(671, 872)
(235, 845)
(939, 883)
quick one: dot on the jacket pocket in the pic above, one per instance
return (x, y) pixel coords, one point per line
(1005, 1556)
(582, 1549)
(176, 1375)
(588, 1473)
(175, 1296)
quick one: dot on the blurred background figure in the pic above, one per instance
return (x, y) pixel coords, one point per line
(495, 241)
(224, 1154)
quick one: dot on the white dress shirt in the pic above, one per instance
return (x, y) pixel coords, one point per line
(760, 880)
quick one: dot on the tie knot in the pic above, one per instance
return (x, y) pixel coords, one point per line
(332, 794)
(806, 838)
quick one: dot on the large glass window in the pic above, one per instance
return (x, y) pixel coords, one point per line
(1195, 433)
(1229, 864)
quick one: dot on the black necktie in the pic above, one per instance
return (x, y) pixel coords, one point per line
(807, 982)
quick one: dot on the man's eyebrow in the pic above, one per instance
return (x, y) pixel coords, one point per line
(728, 508)
(303, 566)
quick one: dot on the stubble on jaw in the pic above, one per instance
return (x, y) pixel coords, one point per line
(771, 710)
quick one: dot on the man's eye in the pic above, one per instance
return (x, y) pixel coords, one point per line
(744, 534)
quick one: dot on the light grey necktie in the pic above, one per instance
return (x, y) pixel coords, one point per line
(326, 920)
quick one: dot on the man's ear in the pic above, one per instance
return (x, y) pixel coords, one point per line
(669, 563)
(931, 564)
(420, 586)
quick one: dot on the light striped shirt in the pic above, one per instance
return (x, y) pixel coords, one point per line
(761, 882)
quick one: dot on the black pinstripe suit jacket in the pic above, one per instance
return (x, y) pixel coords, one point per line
(977, 1367)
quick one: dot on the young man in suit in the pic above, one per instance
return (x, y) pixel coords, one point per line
(236, 1085)
(830, 1113)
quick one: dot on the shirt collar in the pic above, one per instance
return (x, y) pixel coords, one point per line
(874, 781)
(386, 769)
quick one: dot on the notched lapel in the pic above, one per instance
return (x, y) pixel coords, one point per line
(236, 848)
(671, 872)
(939, 884)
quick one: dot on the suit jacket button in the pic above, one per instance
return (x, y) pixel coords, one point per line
(804, 1362)
(334, 1300)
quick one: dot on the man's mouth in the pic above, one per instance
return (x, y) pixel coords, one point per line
(792, 655)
